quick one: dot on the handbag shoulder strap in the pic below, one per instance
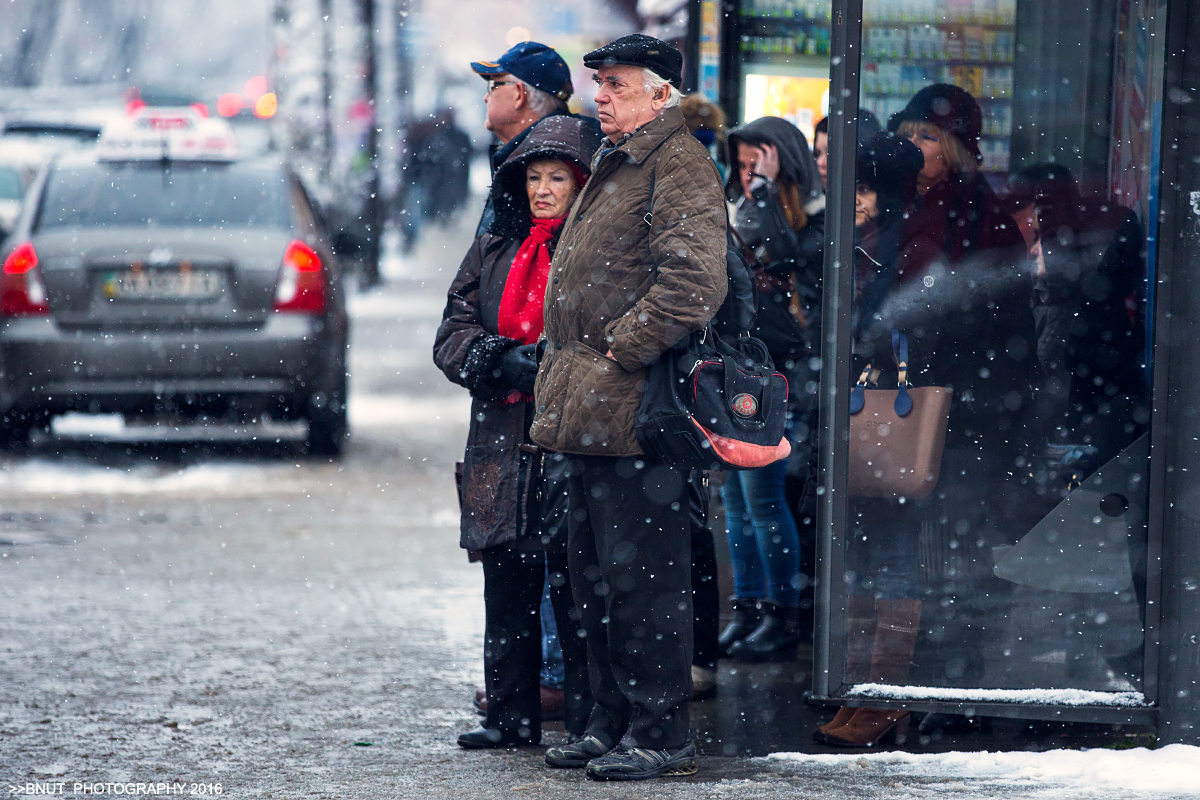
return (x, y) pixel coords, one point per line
(903, 404)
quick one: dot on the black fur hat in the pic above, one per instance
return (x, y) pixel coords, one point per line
(889, 165)
(950, 108)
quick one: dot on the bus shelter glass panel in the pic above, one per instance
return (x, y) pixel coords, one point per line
(996, 534)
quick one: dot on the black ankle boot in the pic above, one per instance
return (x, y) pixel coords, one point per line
(775, 639)
(746, 617)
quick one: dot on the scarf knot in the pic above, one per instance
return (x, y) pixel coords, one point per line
(524, 294)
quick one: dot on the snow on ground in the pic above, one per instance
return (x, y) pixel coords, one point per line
(407, 410)
(1060, 697)
(1170, 771)
(40, 476)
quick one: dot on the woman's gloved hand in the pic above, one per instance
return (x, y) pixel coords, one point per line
(518, 367)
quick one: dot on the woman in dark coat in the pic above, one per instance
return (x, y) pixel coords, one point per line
(883, 605)
(962, 215)
(511, 514)
(969, 329)
(780, 215)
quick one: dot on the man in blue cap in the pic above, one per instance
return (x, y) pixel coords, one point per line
(525, 85)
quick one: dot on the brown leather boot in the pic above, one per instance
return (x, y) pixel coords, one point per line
(860, 642)
(867, 728)
(896, 630)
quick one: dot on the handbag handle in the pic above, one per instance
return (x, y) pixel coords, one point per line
(903, 404)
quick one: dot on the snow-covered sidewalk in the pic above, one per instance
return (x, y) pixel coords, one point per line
(1168, 772)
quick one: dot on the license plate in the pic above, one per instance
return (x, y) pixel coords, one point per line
(161, 285)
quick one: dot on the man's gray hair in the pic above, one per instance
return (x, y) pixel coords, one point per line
(652, 82)
(543, 104)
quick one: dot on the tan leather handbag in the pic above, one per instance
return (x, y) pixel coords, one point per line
(896, 435)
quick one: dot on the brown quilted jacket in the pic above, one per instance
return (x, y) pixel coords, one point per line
(628, 281)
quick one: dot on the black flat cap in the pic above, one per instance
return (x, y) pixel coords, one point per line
(639, 50)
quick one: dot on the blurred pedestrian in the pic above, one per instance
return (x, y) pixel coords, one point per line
(527, 84)
(779, 215)
(510, 489)
(640, 266)
(436, 173)
(706, 120)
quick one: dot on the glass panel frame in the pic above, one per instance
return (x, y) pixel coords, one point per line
(833, 518)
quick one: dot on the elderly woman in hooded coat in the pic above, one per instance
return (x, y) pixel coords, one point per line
(513, 494)
(779, 216)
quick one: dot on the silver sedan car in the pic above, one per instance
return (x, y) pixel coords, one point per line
(193, 289)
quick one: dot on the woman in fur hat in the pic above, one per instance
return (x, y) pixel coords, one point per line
(963, 215)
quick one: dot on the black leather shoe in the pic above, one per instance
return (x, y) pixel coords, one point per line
(639, 764)
(482, 738)
(775, 639)
(577, 754)
(746, 617)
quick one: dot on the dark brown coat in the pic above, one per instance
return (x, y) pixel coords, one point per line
(628, 281)
(500, 491)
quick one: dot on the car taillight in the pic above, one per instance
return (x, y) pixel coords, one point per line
(301, 286)
(22, 292)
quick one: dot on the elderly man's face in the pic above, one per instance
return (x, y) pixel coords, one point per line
(622, 100)
(505, 101)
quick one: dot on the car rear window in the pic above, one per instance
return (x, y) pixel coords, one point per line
(174, 195)
(10, 184)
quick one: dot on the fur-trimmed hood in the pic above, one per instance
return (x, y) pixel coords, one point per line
(563, 137)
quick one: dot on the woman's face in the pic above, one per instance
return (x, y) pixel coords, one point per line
(552, 187)
(866, 204)
(821, 154)
(929, 139)
(747, 156)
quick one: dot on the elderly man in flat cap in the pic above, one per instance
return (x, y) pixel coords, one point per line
(640, 266)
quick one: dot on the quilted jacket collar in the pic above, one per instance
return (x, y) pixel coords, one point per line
(641, 143)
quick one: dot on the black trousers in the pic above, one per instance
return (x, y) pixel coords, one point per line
(706, 598)
(512, 653)
(628, 548)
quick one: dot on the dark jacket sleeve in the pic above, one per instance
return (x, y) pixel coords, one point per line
(463, 349)
(789, 251)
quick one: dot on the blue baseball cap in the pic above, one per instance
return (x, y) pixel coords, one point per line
(536, 64)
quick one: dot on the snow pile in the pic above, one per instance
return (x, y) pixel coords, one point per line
(1172, 770)
(398, 410)
(38, 476)
(1060, 697)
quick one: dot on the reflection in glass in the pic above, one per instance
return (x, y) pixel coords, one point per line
(1000, 227)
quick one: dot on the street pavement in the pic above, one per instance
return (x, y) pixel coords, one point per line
(215, 611)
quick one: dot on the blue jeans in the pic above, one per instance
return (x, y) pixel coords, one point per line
(883, 552)
(763, 542)
(553, 669)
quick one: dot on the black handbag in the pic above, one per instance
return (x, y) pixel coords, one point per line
(712, 404)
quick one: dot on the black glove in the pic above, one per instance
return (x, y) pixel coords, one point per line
(518, 368)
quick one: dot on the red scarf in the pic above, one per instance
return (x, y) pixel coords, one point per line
(525, 289)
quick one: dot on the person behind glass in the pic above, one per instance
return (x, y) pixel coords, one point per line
(487, 342)
(1089, 304)
(1089, 264)
(868, 127)
(883, 604)
(963, 215)
(779, 214)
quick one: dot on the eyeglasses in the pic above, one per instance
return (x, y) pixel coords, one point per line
(492, 84)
